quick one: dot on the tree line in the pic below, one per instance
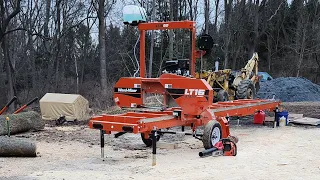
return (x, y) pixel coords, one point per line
(51, 45)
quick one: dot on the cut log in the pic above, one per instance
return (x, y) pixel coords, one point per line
(21, 122)
(14, 147)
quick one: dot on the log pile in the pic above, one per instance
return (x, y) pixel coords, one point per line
(21, 122)
(15, 147)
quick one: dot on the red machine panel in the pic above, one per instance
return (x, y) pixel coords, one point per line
(192, 95)
(128, 92)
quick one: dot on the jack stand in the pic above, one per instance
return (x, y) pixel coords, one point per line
(276, 123)
(102, 143)
(238, 119)
(195, 135)
(154, 147)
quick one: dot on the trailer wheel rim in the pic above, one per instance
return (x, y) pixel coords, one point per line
(215, 135)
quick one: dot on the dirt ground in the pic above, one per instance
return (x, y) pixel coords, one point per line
(309, 109)
(73, 152)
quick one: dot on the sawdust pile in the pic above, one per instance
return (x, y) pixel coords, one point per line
(154, 101)
(290, 89)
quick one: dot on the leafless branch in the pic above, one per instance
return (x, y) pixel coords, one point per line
(275, 13)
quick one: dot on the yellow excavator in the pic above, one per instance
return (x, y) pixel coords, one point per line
(230, 85)
(226, 83)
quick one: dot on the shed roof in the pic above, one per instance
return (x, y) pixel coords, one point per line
(60, 98)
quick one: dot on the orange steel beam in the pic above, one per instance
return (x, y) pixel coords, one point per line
(7, 105)
(146, 115)
(142, 53)
(132, 119)
(115, 126)
(166, 25)
(244, 110)
(193, 54)
(25, 106)
(143, 27)
(164, 124)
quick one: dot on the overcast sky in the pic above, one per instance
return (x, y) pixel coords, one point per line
(115, 16)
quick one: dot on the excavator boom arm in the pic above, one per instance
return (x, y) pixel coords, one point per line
(251, 66)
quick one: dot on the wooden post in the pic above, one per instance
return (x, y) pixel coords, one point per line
(8, 125)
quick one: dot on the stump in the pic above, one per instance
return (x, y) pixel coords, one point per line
(21, 122)
(15, 147)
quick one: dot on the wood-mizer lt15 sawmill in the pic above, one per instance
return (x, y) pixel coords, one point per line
(187, 102)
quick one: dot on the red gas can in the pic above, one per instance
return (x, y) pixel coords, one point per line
(259, 117)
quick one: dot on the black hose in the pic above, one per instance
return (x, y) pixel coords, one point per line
(207, 152)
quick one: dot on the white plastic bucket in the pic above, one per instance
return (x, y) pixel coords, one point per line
(282, 121)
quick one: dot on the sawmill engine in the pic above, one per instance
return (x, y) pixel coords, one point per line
(179, 67)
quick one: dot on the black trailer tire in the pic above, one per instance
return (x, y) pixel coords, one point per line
(235, 149)
(212, 134)
(222, 95)
(246, 90)
(148, 142)
(257, 86)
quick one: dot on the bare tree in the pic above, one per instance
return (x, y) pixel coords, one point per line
(5, 18)
(227, 39)
(102, 47)
(216, 15)
(152, 38)
(300, 35)
(206, 16)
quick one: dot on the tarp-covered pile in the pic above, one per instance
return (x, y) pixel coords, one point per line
(72, 106)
